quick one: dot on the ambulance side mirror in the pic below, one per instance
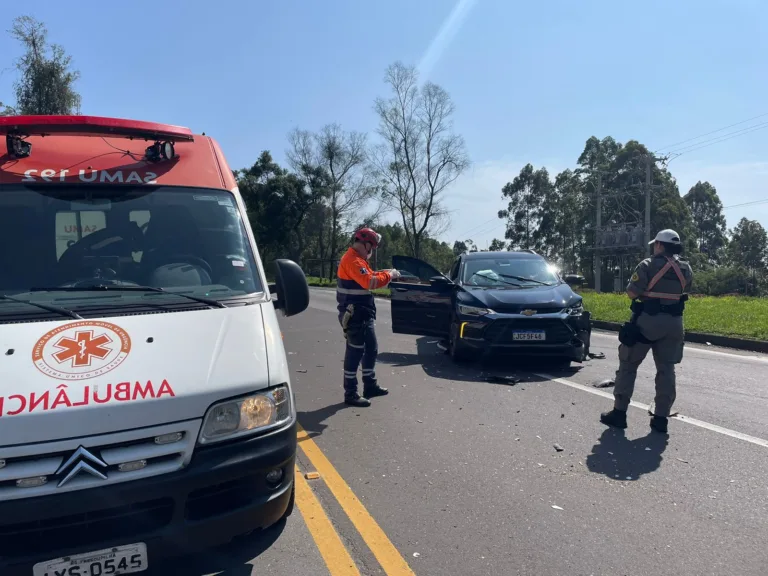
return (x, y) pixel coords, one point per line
(291, 288)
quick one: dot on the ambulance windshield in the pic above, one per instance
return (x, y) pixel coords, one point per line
(187, 240)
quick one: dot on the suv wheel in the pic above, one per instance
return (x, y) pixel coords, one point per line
(458, 352)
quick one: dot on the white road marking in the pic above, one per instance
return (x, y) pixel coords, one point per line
(646, 407)
(697, 349)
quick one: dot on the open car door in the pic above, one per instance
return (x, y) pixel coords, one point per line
(421, 299)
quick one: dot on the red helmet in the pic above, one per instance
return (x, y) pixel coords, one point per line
(368, 235)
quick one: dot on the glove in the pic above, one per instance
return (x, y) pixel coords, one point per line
(394, 274)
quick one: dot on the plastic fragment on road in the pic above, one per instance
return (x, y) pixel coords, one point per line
(556, 507)
(558, 447)
(416, 554)
(596, 355)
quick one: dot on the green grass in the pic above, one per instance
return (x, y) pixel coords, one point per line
(725, 316)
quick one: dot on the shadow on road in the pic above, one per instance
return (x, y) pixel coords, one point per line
(232, 559)
(437, 364)
(313, 421)
(619, 458)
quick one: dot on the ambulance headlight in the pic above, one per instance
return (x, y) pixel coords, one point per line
(247, 415)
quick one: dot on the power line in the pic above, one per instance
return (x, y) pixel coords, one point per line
(712, 132)
(706, 143)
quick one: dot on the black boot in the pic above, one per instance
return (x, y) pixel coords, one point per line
(659, 423)
(357, 400)
(615, 418)
(372, 389)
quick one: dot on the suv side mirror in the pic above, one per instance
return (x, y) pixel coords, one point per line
(291, 288)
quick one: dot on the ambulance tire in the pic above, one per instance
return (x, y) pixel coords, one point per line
(459, 353)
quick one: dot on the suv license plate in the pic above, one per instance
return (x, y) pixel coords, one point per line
(127, 559)
(531, 335)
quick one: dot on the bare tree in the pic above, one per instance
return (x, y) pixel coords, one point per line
(342, 158)
(419, 155)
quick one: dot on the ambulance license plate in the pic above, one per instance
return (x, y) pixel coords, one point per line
(529, 335)
(127, 559)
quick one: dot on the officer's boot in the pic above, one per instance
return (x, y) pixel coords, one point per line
(615, 418)
(351, 397)
(659, 423)
(371, 388)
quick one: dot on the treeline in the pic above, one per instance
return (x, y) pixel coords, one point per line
(337, 181)
(558, 218)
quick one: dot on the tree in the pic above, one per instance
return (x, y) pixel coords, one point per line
(497, 245)
(46, 82)
(526, 195)
(708, 219)
(278, 203)
(419, 155)
(341, 158)
(749, 245)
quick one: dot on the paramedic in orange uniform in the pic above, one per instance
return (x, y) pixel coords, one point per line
(357, 315)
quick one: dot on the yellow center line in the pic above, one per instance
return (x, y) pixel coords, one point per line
(385, 552)
(331, 548)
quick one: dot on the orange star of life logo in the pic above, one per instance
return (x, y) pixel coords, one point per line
(81, 350)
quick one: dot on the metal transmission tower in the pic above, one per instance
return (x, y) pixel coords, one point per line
(623, 237)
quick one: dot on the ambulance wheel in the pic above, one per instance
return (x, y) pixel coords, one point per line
(459, 353)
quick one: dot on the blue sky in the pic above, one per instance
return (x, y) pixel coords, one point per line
(531, 81)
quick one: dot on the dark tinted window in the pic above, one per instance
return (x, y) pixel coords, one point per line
(173, 238)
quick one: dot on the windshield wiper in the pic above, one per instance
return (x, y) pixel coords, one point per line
(524, 279)
(56, 309)
(118, 288)
(496, 280)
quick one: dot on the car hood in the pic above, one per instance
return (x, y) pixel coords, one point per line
(77, 378)
(513, 300)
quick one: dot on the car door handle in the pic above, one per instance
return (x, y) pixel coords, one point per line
(402, 289)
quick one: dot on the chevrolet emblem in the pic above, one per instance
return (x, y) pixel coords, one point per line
(528, 312)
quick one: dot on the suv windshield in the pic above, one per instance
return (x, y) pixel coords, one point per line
(505, 271)
(58, 239)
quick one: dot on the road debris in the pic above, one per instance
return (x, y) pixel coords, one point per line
(416, 554)
(604, 384)
(596, 355)
(558, 447)
(508, 380)
(556, 507)
(683, 461)
(312, 475)
(302, 371)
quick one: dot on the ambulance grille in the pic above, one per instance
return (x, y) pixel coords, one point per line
(68, 465)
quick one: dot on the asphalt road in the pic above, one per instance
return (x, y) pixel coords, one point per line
(456, 475)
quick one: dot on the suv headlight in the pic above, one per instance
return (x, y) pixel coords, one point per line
(575, 310)
(247, 415)
(474, 310)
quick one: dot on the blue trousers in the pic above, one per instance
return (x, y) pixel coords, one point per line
(362, 347)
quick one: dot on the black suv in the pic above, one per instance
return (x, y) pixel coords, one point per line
(512, 303)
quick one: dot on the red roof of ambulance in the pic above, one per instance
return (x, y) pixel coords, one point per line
(98, 157)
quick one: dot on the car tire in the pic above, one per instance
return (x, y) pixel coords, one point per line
(459, 354)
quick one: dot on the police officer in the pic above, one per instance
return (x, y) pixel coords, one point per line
(658, 289)
(357, 315)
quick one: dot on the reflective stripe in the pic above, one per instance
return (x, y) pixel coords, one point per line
(353, 291)
(657, 278)
(662, 295)
(355, 345)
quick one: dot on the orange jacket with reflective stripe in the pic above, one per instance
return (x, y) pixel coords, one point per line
(354, 281)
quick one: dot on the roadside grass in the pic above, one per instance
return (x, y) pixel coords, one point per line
(735, 316)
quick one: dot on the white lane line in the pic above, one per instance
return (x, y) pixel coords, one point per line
(697, 349)
(645, 407)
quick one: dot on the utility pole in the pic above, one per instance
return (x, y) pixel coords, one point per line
(648, 189)
(598, 224)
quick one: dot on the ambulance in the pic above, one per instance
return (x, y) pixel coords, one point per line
(146, 408)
